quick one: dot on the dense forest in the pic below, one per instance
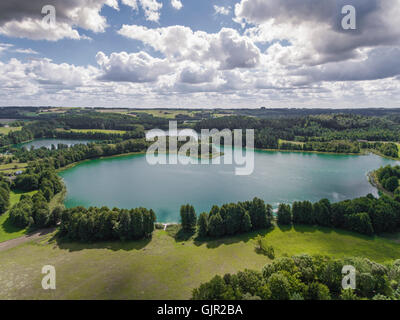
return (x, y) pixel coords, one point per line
(235, 218)
(366, 215)
(34, 212)
(229, 219)
(96, 224)
(341, 133)
(389, 179)
(56, 129)
(300, 130)
(305, 277)
(64, 155)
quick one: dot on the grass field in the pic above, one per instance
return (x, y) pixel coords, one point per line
(7, 230)
(12, 167)
(6, 130)
(168, 114)
(163, 268)
(280, 141)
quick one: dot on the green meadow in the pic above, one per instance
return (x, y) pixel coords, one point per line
(6, 130)
(164, 268)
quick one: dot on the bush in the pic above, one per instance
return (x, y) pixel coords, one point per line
(264, 248)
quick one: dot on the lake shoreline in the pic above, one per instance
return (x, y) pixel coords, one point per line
(134, 183)
(69, 166)
(374, 181)
(74, 164)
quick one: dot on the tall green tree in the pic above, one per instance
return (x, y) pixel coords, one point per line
(188, 218)
(203, 224)
(216, 226)
(284, 214)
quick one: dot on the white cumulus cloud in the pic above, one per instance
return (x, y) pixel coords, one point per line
(151, 8)
(222, 10)
(177, 4)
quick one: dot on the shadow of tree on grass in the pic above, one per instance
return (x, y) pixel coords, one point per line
(114, 245)
(213, 243)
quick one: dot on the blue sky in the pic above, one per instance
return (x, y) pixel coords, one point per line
(191, 53)
(198, 15)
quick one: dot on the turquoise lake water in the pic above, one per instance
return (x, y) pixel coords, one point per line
(278, 177)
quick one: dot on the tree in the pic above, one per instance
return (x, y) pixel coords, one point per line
(249, 281)
(55, 216)
(216, 226)
(41, 217)
(234, 214)
(27, 182)
(188, 218)
(331, 276)
(20, 216)
(246, 223)
(391, 184)
(213, 290)
(149, 218)
(303, 213)
(284, 214)
(203, 224)
(338, 213)
(123, 228)
(359, 222)
(366, 284)
(279, 286)
(105, 224)
(348, 294)
(4, 199)
(308, 213)
(317, 291)
(260, 214)
(322, 213)
(47, 192)
(136, 224)
(297, 212)
(383, 217)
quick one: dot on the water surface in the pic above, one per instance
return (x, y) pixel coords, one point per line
(278, 177)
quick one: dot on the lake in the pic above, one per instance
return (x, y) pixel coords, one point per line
(278, 177)
(38, 143)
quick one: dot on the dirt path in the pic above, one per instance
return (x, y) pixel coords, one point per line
(29, 237)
